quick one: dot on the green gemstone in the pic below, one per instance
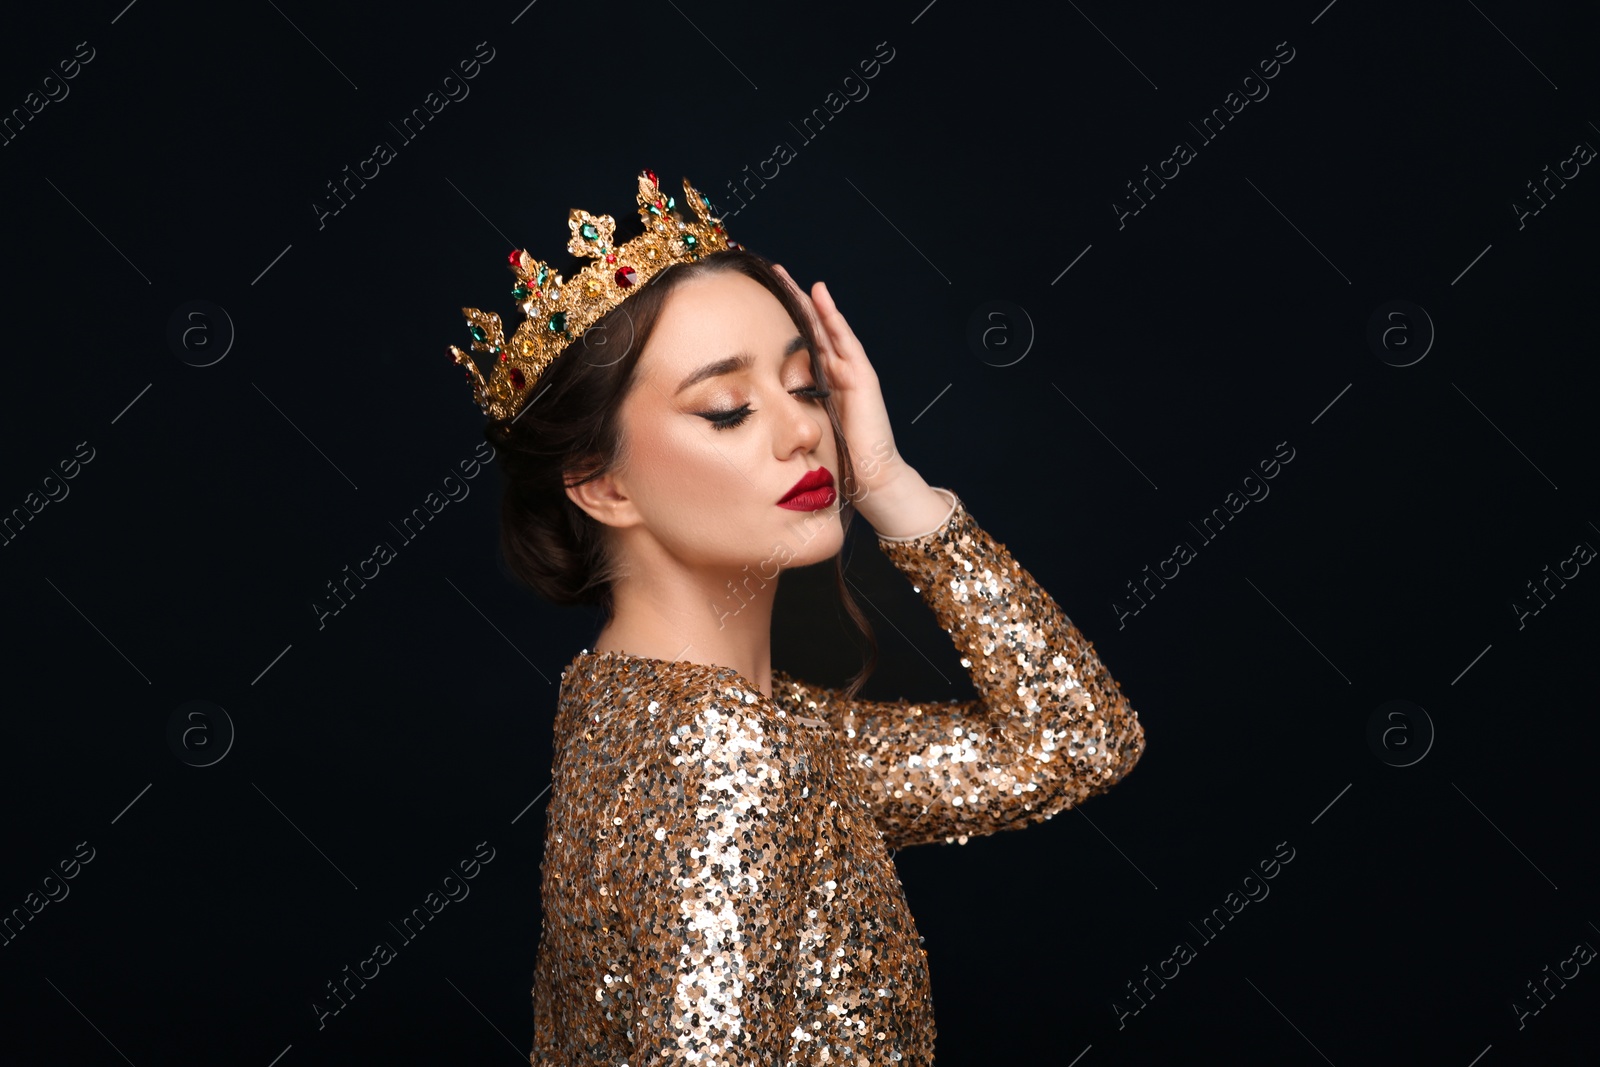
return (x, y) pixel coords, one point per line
(653, 209)
(478, 334)
(558, 322)
(690, 240)
(671, 203)
(588, 231)
(543, 273)
(521, 292)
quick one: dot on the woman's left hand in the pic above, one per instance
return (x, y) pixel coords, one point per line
(863, 418)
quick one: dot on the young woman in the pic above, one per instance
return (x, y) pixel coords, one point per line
(717, 878)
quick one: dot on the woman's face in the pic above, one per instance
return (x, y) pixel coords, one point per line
(702, 474)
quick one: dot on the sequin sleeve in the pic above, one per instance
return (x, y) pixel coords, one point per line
(707, 889)
(1049, 729)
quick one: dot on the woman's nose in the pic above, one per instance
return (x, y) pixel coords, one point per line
(806, 421)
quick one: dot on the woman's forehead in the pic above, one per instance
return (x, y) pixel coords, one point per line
(714, 316)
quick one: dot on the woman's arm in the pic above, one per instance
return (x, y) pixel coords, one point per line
(1050, 726)
(1049, 729)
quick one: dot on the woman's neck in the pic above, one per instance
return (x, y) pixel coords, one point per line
(737, 635)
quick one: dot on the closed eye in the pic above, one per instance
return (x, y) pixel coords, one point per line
(727, 420)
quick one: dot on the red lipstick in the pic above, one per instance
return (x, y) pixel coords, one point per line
(814, 490)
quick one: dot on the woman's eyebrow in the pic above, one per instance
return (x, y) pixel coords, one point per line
(741, 361)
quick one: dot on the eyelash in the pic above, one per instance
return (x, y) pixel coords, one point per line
(727, 420)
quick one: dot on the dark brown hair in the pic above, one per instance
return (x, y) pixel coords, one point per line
(569, 432)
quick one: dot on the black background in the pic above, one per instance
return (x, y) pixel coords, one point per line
(1182, 346)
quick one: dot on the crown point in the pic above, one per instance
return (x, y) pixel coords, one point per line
(515, 258)
(652, 176)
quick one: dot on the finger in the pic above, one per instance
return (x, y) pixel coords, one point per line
(818, 327)
(794, 287)
(837, 325)
(789, 280)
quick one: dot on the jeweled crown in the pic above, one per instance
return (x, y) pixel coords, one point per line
(558, 311)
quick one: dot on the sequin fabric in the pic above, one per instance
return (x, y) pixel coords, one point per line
(717, 881)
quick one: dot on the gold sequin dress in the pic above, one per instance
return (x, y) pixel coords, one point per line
(717, 882)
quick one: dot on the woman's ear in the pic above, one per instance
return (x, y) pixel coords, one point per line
(603, 499)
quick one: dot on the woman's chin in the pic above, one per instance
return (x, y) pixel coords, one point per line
(815, 536)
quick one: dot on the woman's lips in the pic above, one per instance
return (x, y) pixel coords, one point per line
(814, 490)
(810, 500)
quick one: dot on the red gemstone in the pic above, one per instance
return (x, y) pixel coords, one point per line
(515, 258)
(625, 276)
(505, 358)
(517, 380)
(717, 228)
(662, 204)
(652, 176)
(610, 258)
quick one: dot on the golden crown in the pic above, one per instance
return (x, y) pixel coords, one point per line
(558, 312)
